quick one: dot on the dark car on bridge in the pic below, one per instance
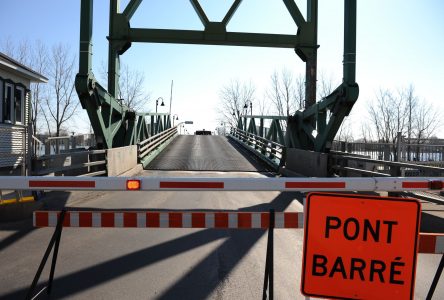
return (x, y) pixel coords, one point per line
(202, 132)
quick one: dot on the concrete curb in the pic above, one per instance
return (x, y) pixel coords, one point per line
(133, 172)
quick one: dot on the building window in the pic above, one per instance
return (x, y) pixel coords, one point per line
(8, 107)
(19, 104)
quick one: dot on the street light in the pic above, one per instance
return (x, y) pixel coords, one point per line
(176, 118)
(157, 103)
(251, 107)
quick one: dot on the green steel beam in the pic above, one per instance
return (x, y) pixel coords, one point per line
(231, 12)
(131, 8)
(113, 56)
(85, 57)
(116, 125)
(205, 38)
(200, 12)
(311, 54)
(265, 117)
(295, 12)
(349, 65)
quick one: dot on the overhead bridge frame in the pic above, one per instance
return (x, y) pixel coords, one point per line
(312, 129)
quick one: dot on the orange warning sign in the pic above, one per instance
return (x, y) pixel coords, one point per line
(360, 247)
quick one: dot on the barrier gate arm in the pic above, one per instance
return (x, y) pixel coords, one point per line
(428, 242)
(389, 184)
(431, 243)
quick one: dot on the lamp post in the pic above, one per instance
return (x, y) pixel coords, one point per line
(246, 107)
(175, 117)
(157, 103)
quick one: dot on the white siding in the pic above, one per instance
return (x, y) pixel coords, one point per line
(12, 145)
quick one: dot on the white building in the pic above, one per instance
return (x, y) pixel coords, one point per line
(15, 114)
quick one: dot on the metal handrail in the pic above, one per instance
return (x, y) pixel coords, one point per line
(75, 153)
(155, 141)
(258, 137)
(45, 162)
(347, 156)
(340, 161)
(265, 149)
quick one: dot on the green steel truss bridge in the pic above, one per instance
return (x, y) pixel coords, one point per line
(116, 125)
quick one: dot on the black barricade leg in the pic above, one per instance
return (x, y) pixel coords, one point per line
(55, 252)
(436, 279)
(268, 277)
(55, 237)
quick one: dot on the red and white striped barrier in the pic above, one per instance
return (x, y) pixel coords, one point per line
(428, 242)
(176, 219)
(390, 184)
(431, 243)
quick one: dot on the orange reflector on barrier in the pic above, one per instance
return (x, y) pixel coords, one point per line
(133, 184)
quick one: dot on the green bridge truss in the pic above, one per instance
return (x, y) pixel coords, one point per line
(311, 129)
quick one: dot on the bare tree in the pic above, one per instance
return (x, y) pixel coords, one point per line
(233, 98)
(39, 63)
(299, 92)
(7, 46)
(21, 51)
(131, 86)
(324, 85)
(282, 92)
(36, 57)
(403, 112)
(345, 132)
(388, 116)
(61, 103)
(365, 132)
(263, 106)
(411, 101)
(427, 121)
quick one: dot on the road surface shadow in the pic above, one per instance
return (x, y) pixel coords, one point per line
(229, 254)
(431, 223)
(55, 200)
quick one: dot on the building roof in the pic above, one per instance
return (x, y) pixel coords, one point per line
(25, 71)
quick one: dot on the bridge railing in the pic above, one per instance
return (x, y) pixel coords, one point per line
(346, 164)
(271, 152)
(425, 153)
(80, 163)
(149, 148)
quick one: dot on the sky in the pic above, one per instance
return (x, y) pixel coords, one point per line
(399, 42)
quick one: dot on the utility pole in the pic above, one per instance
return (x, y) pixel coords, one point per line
(171, 95)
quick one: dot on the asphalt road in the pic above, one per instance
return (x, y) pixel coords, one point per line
(206, 153)
(105, 263)
(166, 263)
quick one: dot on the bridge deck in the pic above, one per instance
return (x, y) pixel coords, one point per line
(206, 153)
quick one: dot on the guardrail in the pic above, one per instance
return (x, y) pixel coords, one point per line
(421, 153)
(281, 184)
(81, 163)
(353, 165)
(149, 148)
(270, 152)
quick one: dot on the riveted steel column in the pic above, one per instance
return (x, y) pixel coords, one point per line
(349, 64)
(86, 24)
(311, 63)
(113, 56)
